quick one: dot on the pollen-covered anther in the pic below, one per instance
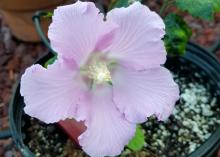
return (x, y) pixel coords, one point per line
(99, 73)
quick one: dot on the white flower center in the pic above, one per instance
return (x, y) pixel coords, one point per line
(99, 73)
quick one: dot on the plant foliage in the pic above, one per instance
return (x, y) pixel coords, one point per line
(138, 141)
(204, 9)
(177, 34)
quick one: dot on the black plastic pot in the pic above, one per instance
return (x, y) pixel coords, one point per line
(195, 56)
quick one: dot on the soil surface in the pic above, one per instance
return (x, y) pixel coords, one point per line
(16, 56)
(195, 118)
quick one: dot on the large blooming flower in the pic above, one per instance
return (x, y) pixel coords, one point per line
(108, 74)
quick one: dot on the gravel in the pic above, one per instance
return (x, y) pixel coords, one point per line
(194, 118)
(48, 140)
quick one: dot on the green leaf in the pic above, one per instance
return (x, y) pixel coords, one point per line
(48, 15)
(121, 3)
(177, 35)
(50, 61)
(138, 141)
(204, 9)
(216, 4)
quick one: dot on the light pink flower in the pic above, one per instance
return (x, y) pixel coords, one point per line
(108, 74)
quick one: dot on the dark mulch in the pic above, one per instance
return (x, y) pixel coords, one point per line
(15, 56)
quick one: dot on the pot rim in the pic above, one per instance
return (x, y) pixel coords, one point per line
(195, 54)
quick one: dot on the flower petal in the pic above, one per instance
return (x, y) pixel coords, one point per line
(137, 42)
(107, 130)
(76, 30)
(140, 94)
(50, 94)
